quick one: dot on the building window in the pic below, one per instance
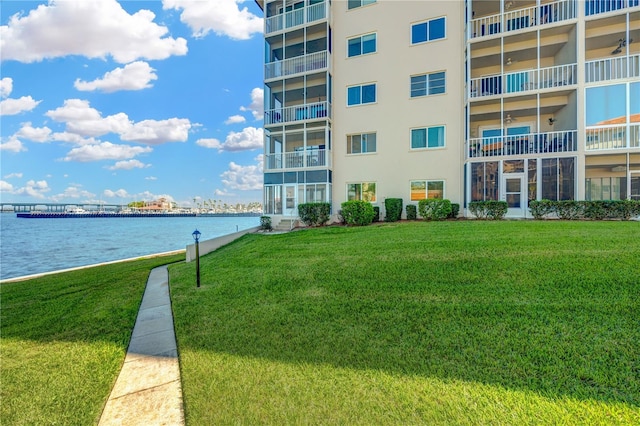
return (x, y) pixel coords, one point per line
(424, 189)
(359, 3)
(361, 45)
(365, 191)
(484, 181)
(363, 94)
(558, 179)
(427, 84)
(429, 137)
(433, 29)
(361, 144)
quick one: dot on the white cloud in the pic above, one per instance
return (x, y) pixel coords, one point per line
(257, 104)
(223, 17)
(34, 189)
(6, 87)
(73, 138)
(16, 106)
(35, 134)
(105, 151)
(151, 178)
(155, 132)
(73, 192)
(135, 76)
(5, 186)
(222, 193)
(209, 143)
(235, 119)
(249, 138)
(12, 145)
(243, 178)
(120, 193)
(95, 29)
(128, 165)
(13, 175)
(85, 121)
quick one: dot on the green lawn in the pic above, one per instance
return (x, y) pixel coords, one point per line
(63, 341)
(468, 322)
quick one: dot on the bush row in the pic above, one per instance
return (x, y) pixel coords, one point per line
(314, 214)
(490, 209)
(595, 210)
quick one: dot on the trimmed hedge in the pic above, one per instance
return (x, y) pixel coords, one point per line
(314, 214)
(393, 208)
(455, 210)
(490, 209)
(376, 214)
(265, 223)
(359, 213)
(593, 210)
(412, 212)
(434, 209)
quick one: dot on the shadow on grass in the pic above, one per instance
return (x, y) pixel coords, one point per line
(555, 318)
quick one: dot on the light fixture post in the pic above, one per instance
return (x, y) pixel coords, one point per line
(196, 236)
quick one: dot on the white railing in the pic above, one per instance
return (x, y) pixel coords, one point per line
(612, 68)
(519, 19)
(297, 159)
(594, 7)
(298, 113)
(613, 137)
(296, 17)
(299, 64)
(532, 143)
(522, 81)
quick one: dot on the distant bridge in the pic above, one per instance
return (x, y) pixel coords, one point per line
(57, 207)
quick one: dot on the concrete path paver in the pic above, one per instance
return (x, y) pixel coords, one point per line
(147, 391)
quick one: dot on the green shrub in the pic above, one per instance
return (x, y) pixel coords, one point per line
(490, 209)
(265, 223)
(455, 210)
(376, 214)
(434, 209)
(594, 210)
(314, 214)
(412, 212)
(540, 209)
(357, 212)
(393, 208)
(569, 209)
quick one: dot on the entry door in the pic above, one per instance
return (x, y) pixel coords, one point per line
(513, 191)
(290, 207)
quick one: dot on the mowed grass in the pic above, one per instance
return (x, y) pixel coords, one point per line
(468, 322)
(63, 339)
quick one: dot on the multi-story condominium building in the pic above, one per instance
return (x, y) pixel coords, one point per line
(465, 100)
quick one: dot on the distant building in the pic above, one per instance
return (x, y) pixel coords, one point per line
(158, 205)
(465, 100)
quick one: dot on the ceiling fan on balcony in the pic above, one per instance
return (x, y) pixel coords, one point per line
(508, 119)
(621, 43)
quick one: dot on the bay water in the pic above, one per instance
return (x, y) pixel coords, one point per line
(31, 246)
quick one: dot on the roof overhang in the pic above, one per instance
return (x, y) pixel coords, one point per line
(260, 4)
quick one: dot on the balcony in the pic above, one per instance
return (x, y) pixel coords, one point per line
(594, 7)
(612, 68)
(523, 81)
(532, 143)
(297, 17)
(524, 18)
(298, 159)
(312, 111)
(613, 137)
(300, 64)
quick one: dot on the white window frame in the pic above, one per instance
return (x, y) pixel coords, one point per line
(375, 88)
(427, 147)
(375, 193)
(428, 22)
(362, 152)
(427, 84)
(426, 188)
(361, 37)
(363, 3)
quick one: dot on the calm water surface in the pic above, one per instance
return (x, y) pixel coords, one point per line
(30, 246)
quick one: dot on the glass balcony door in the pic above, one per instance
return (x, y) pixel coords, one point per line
(513, 191)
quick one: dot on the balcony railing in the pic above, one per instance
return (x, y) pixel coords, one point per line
(593, 7)
(523, 81)
(303, 112)
(299, 64)
(298, 159)
(519, 19)
(296, 17)
(613, 137)
(612, 68)
(532, 143)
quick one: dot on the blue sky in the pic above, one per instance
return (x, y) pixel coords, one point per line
(107, 101)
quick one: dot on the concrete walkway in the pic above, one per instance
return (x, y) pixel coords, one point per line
(148, 390)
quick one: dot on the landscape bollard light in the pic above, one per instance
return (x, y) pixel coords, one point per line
(196, 236)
